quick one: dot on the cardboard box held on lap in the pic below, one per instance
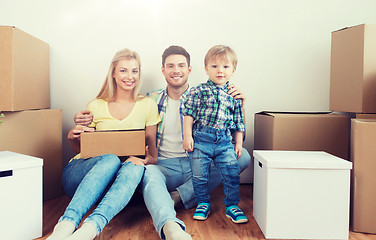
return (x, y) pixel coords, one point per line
(119, 143)
(24, 71)
(302, 131)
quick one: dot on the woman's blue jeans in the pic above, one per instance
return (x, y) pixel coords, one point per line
(87, 180)
(214, 145)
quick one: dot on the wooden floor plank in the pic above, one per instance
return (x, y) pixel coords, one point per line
(135, 223)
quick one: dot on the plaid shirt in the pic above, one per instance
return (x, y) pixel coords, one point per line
(161, 98)
(211, 105)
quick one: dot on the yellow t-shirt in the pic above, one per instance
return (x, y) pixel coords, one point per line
(144, 113)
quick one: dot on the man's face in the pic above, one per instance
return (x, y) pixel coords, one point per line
(176, 70)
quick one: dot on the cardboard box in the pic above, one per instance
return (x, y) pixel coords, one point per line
(301, 194)
(363, 156)
(327, 132)
(20, 182)
(120, 143)
(36, 133)
(352, 69)
(24, 72)
(365, 116)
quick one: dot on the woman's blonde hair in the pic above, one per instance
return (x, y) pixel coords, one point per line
(108, 90)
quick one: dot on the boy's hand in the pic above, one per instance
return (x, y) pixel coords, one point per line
(238, 150)
(188, 144)
(83, 118)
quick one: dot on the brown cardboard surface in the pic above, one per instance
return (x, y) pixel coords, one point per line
(24, 72)
(365, 116)
(120, 143)
(327, 132)
(36, 133)
(363, 156)
(352, 69)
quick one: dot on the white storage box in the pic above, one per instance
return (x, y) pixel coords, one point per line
(21, 196)
(301, 194)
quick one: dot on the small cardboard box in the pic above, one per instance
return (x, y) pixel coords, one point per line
(352, 69)
(21, 196)
(363, 157)
(36, 133)
(24, 71)
(119, 143)
(301, 194)
(302, 131)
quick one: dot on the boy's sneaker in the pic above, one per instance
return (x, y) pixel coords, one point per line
(235, 214)
(202, 211)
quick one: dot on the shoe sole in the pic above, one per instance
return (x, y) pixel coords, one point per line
(239, 221)
(201, 218)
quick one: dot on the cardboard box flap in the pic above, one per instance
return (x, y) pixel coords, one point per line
(345, 28)
(12, 161)
(293, 114)
(300, 160)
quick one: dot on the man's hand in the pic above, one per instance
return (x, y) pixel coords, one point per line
(235, 92)
(83, 118)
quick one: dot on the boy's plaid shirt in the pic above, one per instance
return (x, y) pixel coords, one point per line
(212, 106)
(161, 98)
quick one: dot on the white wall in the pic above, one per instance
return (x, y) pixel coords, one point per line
(283, 46)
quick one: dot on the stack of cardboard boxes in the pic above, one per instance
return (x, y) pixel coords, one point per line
(349, 131)
(29, 126)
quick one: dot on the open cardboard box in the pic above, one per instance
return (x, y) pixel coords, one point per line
(117, 142)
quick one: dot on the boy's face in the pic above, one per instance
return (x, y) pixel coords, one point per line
(176, 70)
(219, 70)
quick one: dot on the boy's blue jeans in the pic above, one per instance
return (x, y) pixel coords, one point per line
(214, 145)
(87, 180)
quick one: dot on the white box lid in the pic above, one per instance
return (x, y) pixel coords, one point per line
(300, 159)
(11, 161)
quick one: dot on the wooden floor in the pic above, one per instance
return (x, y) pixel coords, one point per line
(134, 222)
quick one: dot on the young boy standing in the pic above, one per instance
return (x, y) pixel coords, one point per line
(214, 116)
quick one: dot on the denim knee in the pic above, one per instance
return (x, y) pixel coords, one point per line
(153, 175)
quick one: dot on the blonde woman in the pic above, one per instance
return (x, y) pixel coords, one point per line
(107, 179)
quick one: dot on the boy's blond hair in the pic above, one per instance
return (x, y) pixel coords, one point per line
(222, 52)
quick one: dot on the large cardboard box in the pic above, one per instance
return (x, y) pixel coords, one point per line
(301, 194)
(363, 156)
(24, 71)
(301, 131)
(36, 133)
(21, 196)
(120, 143)
(352, 69)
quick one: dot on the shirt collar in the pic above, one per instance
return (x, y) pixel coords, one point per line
(212, 84)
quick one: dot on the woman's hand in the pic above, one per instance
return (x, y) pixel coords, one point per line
(75, 133)
(136, 161)
(74, 136)
(83, 118)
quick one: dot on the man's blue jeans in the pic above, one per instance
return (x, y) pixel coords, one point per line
(175, 174)
(87, 180)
